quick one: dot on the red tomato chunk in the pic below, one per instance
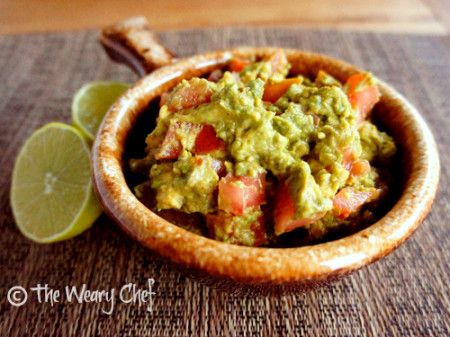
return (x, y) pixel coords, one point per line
(187, 97)
(285, 220)
(171, 146)
(207, 141)
(237, 194)
(349, 200)
(238, 64)
(362, 93)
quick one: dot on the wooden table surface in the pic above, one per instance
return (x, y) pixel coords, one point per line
(405, 294)
(405, 16)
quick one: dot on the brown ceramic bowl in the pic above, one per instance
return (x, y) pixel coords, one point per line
(285, 267)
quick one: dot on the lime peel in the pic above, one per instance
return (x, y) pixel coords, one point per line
(92, 101)
(51, 181)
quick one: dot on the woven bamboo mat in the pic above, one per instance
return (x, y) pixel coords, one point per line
(405, 294)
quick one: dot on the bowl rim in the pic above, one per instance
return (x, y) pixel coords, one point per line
(253, 265)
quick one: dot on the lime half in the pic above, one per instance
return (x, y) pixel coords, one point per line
(51, 193)
(92, 101)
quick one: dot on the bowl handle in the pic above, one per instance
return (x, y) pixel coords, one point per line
(133, 43)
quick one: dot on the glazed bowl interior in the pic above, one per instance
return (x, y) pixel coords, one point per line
(302, 265)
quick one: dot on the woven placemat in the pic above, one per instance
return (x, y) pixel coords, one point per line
(405, 294)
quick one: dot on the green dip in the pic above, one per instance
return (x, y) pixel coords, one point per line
(309, 139)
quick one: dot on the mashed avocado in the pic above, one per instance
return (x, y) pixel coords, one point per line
(261, 155)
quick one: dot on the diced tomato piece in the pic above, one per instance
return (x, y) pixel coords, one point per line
(171, 146)
(185, 97)
(285, 220)
(349, 200)
(238, 64)
(356, 167)
(224, 227)
(323, 78)
(237, 194)
(273, 91)
(362, 93)
(278, 60)
(359, 168)
(348, 157)
(207, 141)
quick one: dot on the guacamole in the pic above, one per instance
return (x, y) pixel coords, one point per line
(258, 154)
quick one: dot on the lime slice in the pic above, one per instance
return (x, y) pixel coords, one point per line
(92, 101)
(51, 193)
